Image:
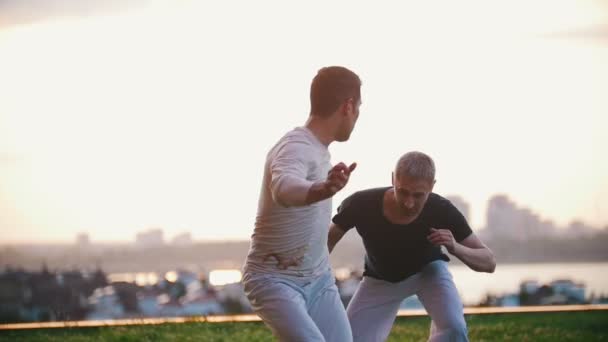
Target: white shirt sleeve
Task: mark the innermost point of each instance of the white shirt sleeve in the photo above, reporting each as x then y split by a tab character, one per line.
289	172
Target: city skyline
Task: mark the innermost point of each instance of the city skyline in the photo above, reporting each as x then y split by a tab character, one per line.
118	118
508	220
505	219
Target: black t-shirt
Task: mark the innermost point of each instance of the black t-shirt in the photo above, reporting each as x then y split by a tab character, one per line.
397	251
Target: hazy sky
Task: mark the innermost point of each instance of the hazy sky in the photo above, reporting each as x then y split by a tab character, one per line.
118	117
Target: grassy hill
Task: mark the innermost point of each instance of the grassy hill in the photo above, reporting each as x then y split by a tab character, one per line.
546	326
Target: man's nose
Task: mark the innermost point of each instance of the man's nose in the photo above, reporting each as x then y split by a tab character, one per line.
409	203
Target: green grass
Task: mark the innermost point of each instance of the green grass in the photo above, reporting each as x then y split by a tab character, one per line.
558	326
555	326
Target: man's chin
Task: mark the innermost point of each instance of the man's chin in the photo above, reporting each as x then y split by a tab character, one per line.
343	138
410	214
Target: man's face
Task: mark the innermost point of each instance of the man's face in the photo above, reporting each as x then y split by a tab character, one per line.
350	119
411	194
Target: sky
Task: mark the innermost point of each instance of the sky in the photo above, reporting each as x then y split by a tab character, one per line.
121	116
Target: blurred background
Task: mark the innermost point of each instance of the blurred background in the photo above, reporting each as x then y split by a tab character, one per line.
133	136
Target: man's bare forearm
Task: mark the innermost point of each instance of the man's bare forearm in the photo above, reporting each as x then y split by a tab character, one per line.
317	192
337	179
478	259
334	235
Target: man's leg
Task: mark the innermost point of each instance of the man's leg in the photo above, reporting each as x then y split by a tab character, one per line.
327	310
440	298
282	307
374	306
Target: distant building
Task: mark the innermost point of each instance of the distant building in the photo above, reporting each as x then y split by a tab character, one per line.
182	239
82	239
579	229
506	220
150	238
547	228
501	217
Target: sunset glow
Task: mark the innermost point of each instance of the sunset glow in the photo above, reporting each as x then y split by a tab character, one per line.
160	114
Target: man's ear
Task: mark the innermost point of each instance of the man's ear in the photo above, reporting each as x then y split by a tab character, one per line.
393	178
348	106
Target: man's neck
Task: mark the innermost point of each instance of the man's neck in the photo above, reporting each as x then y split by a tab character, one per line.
391	212
321	128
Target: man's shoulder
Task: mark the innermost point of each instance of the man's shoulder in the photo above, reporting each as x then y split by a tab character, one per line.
438	202
366	195
372	191
438	199
294	135
440	206
299	134
296	139
357	208
448	214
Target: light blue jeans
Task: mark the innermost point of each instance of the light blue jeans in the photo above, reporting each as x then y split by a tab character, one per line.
374	306
299	309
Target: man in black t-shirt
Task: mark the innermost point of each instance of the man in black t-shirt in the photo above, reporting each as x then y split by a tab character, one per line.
403	228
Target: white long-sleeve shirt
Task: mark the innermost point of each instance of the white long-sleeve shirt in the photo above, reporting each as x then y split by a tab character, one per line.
290	237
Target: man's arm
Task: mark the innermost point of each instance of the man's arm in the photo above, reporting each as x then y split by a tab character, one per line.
337	178
470	251
289	186
335	234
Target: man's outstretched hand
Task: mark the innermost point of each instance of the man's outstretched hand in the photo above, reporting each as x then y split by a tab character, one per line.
338	177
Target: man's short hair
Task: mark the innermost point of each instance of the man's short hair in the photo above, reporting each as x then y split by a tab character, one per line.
331	87
416	165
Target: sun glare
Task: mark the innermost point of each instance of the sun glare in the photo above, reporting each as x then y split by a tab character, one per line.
224	277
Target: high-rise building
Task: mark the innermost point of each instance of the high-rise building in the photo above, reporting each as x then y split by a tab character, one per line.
506	220
502	217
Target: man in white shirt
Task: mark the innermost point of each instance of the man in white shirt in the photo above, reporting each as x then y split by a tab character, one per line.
287	275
